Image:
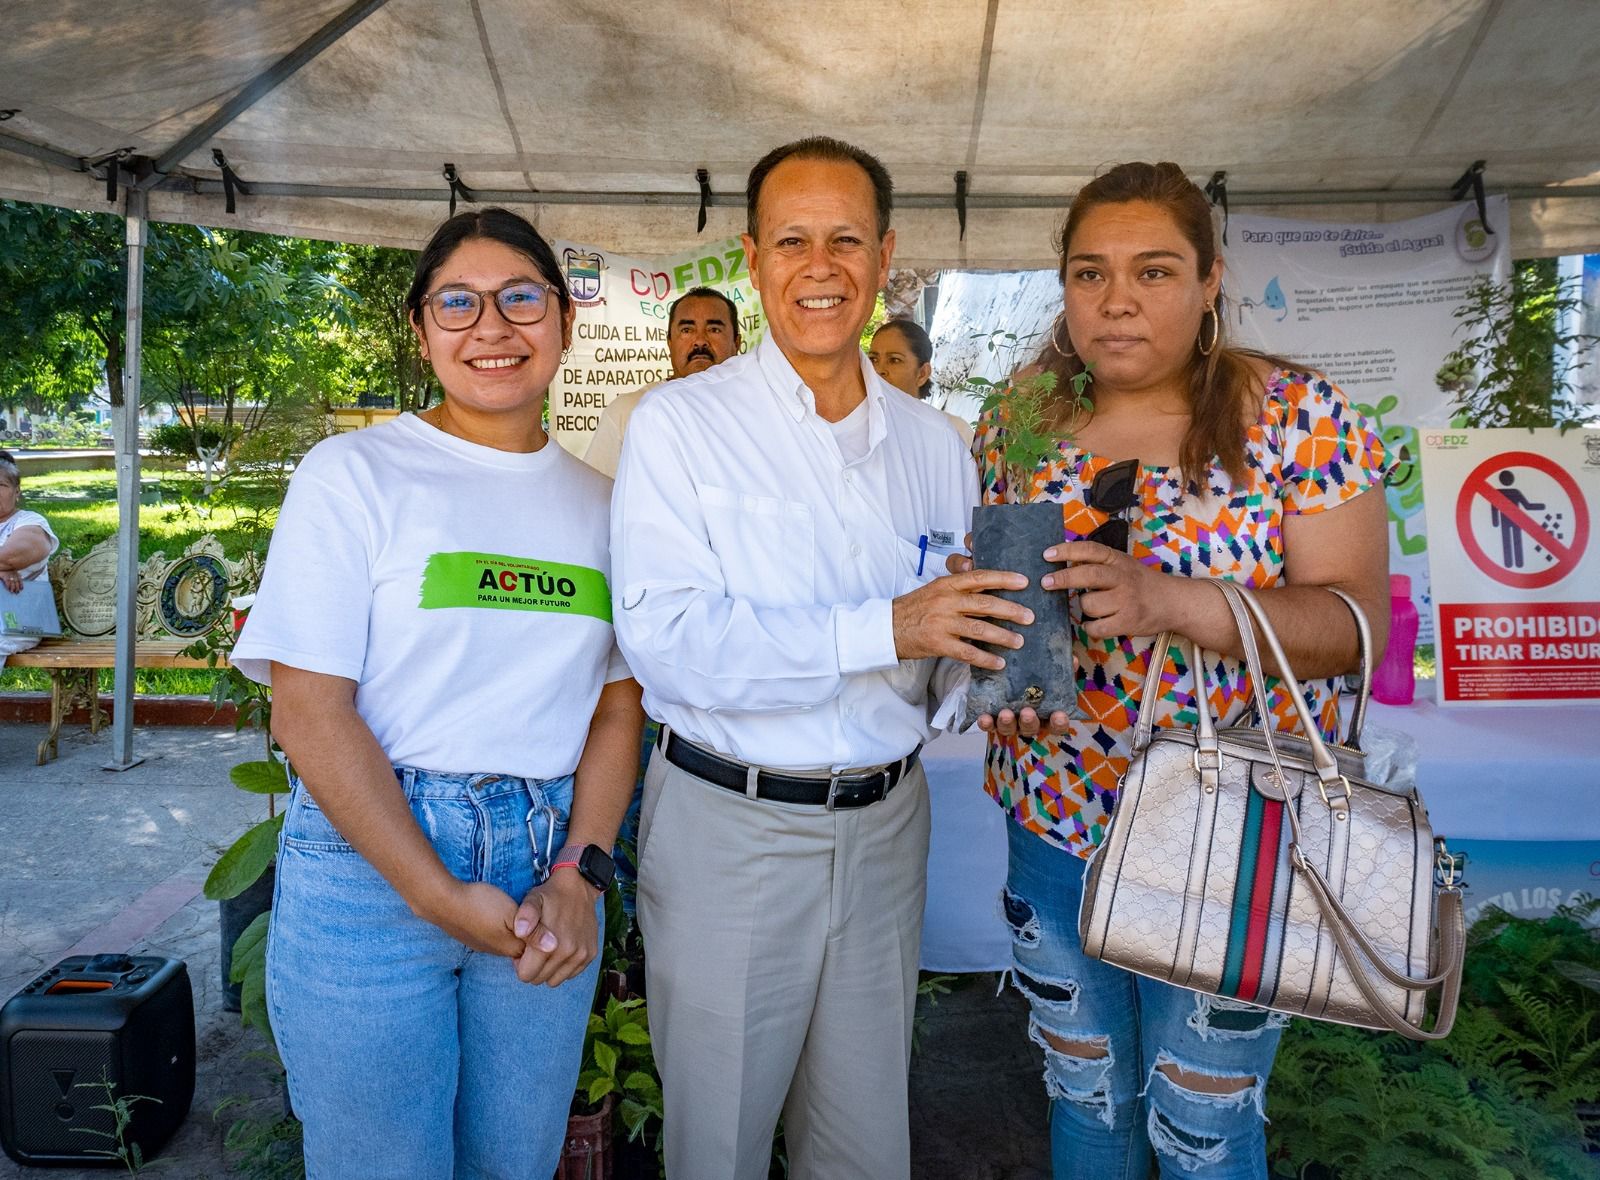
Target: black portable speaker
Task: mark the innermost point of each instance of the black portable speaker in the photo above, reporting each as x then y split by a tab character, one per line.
129	1020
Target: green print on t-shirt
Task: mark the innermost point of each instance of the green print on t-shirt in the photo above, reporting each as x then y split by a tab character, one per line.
497	582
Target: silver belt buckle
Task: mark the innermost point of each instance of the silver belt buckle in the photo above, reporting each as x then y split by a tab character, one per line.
883	773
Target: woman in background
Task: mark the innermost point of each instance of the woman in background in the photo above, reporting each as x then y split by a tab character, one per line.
26	544
902	354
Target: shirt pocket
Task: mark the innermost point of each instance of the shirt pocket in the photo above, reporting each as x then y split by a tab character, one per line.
767	546
917	567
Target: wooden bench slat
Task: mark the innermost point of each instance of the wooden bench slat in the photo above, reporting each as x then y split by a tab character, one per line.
102	653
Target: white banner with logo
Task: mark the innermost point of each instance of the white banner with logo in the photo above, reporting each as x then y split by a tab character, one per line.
619	338
1372	305
1516	565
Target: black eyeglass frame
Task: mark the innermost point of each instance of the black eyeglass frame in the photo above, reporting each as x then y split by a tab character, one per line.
549	289
1115	489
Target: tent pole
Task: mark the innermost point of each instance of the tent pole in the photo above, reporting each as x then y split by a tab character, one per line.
125	431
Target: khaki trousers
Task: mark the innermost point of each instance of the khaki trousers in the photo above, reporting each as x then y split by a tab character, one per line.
781	966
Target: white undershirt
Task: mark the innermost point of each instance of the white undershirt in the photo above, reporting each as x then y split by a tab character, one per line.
852	433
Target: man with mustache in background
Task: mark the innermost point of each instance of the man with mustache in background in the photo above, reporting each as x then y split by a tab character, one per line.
702	330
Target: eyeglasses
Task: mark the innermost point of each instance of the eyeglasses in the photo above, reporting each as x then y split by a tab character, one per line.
458	308
1114	489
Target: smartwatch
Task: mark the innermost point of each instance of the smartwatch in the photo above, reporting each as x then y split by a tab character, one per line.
594	865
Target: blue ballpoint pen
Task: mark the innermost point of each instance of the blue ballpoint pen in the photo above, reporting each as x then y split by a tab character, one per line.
922	552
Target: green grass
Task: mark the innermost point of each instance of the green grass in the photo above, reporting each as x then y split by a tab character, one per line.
195	682
81	507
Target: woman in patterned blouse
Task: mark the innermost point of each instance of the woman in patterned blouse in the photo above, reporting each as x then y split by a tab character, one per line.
1243	467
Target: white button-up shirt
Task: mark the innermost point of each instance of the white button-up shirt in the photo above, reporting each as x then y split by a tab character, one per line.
753	569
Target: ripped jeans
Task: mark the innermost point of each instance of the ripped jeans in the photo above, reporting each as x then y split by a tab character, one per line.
1108	1111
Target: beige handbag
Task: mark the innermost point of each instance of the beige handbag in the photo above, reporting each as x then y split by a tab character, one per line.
1260	865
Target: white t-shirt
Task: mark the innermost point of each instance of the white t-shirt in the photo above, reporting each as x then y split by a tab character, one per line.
605	446
853	433
19	519
464	589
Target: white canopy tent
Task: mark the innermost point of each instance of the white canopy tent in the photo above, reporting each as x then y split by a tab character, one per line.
340	119
340	116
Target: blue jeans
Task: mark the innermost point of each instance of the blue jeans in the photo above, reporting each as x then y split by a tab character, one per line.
1108	1111
409	1054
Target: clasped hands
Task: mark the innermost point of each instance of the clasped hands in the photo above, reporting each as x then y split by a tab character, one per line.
948	616
552	936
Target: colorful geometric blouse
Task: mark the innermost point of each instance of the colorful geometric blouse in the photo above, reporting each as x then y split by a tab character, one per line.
1310	451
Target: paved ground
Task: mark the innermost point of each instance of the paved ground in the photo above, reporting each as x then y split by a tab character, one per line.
97	861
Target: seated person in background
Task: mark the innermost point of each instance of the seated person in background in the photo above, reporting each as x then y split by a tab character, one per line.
902	354
26	543
702	330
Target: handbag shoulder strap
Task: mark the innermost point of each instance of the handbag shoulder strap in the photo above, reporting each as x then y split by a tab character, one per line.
1359	954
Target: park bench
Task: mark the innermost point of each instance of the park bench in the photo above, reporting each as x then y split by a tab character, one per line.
179	600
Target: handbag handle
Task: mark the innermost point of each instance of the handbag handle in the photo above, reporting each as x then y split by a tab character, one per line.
1145	723
1358	711
1238	596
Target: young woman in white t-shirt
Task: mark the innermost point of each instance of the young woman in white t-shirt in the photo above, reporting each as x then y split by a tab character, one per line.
435	620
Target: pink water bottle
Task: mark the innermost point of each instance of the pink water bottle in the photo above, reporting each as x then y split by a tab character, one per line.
1394	682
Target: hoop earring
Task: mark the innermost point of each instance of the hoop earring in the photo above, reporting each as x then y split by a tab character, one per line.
1216	331
1055	336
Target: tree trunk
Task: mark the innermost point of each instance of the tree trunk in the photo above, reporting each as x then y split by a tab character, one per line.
114	369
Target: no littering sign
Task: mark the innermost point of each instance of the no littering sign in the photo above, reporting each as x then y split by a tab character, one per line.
1517	596
1523	520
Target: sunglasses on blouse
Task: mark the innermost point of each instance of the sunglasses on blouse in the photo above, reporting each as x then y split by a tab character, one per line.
1115	489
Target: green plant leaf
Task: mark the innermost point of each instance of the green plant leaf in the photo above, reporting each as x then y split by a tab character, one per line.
260	778
237	869
605	1056
250	948
599	1088
253	999
633	1034
645	1088
634	1116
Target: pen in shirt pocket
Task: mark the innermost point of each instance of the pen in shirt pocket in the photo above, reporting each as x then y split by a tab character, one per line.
922	552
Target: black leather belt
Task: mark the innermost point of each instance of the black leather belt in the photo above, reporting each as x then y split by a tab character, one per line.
838	791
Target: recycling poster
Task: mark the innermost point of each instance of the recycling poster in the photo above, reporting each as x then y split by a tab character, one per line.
619	336
1372	305
1516	575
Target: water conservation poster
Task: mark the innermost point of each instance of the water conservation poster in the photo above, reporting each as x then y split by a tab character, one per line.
1373	306
619	337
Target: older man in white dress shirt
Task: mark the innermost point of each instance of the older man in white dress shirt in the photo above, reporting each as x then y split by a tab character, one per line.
779	528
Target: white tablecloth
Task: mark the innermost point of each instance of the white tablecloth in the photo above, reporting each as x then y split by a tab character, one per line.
1491	773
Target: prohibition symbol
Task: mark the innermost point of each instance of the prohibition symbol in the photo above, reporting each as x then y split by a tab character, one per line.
1535	543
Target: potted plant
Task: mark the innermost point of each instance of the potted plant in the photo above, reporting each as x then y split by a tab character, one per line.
617	1078
242	880
1028	408
1519	358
